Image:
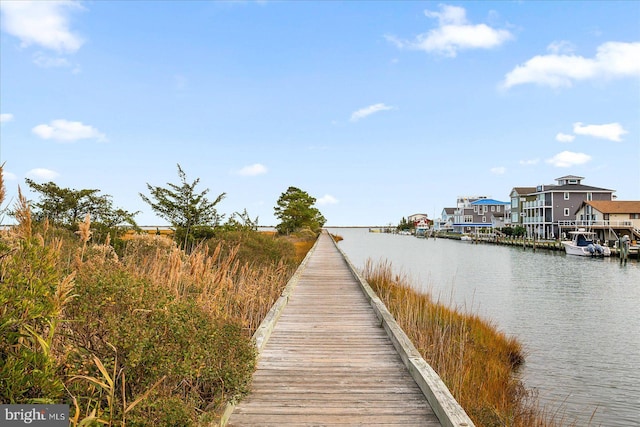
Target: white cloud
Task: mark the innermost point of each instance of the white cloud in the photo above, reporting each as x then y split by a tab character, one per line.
567	159
6	118
529	162
561	46
9	176
42	23
500	170
253	170
64	130
45	61
612	60
327	199
454	33
41	174
367	111
563	137
610	131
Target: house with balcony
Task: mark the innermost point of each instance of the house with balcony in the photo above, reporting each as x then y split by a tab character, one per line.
610	219
445	222
550	210
518	196
475	213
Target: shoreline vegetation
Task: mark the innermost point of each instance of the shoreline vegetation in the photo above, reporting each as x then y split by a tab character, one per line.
478	363
148	335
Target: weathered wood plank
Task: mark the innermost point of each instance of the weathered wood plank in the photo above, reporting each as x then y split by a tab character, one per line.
328	361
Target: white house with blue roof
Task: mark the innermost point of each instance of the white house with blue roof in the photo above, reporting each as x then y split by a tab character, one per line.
474	213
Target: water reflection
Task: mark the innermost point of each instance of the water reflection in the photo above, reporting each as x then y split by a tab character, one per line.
578	318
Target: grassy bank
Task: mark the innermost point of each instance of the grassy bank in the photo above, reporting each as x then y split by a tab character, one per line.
476	361
149	336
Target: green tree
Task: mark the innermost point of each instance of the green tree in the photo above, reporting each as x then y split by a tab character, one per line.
295	211
193	216
63	207
519	231
241	222
405	225
66	207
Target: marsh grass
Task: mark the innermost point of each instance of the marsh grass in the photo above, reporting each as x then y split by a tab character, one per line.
154	336
476	361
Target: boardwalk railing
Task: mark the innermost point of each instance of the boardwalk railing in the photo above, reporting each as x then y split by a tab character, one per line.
446	408
331	353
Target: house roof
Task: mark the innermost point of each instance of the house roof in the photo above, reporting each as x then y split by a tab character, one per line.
524	190
489	202
572	187
614	206
570	177
449	211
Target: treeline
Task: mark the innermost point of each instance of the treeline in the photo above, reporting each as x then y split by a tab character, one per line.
192	215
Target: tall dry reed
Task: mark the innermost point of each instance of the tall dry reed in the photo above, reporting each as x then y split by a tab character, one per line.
3	193
477	362
227	288
22	213
155	336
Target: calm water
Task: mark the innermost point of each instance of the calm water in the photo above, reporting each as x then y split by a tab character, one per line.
578	318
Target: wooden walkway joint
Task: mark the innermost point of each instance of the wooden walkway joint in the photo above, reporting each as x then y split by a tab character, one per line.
331	354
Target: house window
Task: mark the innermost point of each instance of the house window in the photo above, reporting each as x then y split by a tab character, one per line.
498	208
468	218
566	211
566	195
634	216
589	196
475	209
493	208
485	208
484	219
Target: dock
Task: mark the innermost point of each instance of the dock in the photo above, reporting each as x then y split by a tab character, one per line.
331	354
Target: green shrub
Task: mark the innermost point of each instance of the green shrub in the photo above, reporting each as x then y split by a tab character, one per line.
155	335
30	301
256	248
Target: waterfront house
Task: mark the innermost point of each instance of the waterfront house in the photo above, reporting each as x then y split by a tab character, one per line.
416	218
475	213
550	209
610	218
423	226
520	195
445	222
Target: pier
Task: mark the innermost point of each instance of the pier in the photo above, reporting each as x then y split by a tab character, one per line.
330	353
535	244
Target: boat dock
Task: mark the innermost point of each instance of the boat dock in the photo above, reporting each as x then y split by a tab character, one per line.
534	244
331	354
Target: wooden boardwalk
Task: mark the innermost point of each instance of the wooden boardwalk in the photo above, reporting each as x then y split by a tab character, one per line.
328	361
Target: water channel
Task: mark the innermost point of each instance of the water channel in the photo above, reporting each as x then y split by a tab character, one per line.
578	318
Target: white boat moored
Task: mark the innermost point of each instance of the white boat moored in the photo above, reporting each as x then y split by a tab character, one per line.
582	244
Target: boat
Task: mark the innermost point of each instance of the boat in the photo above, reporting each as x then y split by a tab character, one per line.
583	243
466	238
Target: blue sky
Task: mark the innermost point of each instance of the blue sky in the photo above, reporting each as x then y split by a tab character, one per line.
378	109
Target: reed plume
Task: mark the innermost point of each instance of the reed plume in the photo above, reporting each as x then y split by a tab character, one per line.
84	231
23	216
2	190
